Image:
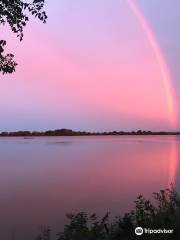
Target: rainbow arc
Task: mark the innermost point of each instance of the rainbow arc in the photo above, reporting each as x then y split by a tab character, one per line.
166	76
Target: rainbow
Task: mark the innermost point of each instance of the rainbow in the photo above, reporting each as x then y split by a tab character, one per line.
166	77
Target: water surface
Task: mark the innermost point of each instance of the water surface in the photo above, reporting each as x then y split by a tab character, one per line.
43	178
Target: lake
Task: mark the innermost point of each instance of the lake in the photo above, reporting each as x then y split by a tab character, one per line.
43	178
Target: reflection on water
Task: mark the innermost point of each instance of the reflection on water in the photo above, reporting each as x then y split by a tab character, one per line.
173	159
41	179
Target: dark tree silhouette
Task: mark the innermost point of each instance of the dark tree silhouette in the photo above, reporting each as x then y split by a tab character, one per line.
16	13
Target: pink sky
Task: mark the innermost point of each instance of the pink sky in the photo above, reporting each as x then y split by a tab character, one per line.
87	68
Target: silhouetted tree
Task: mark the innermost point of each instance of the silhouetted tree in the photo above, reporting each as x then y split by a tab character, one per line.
15	14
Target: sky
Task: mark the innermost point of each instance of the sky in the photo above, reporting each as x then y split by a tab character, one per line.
92	67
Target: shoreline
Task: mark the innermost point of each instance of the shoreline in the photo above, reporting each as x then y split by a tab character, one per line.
30	135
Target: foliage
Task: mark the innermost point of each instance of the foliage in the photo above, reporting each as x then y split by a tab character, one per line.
44	234
15	14
164	212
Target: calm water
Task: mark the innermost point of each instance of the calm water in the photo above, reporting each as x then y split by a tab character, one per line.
41	179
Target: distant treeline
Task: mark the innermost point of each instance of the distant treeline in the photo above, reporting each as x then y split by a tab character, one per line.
69	132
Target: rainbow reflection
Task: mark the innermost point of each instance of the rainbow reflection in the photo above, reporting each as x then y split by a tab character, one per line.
173	160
